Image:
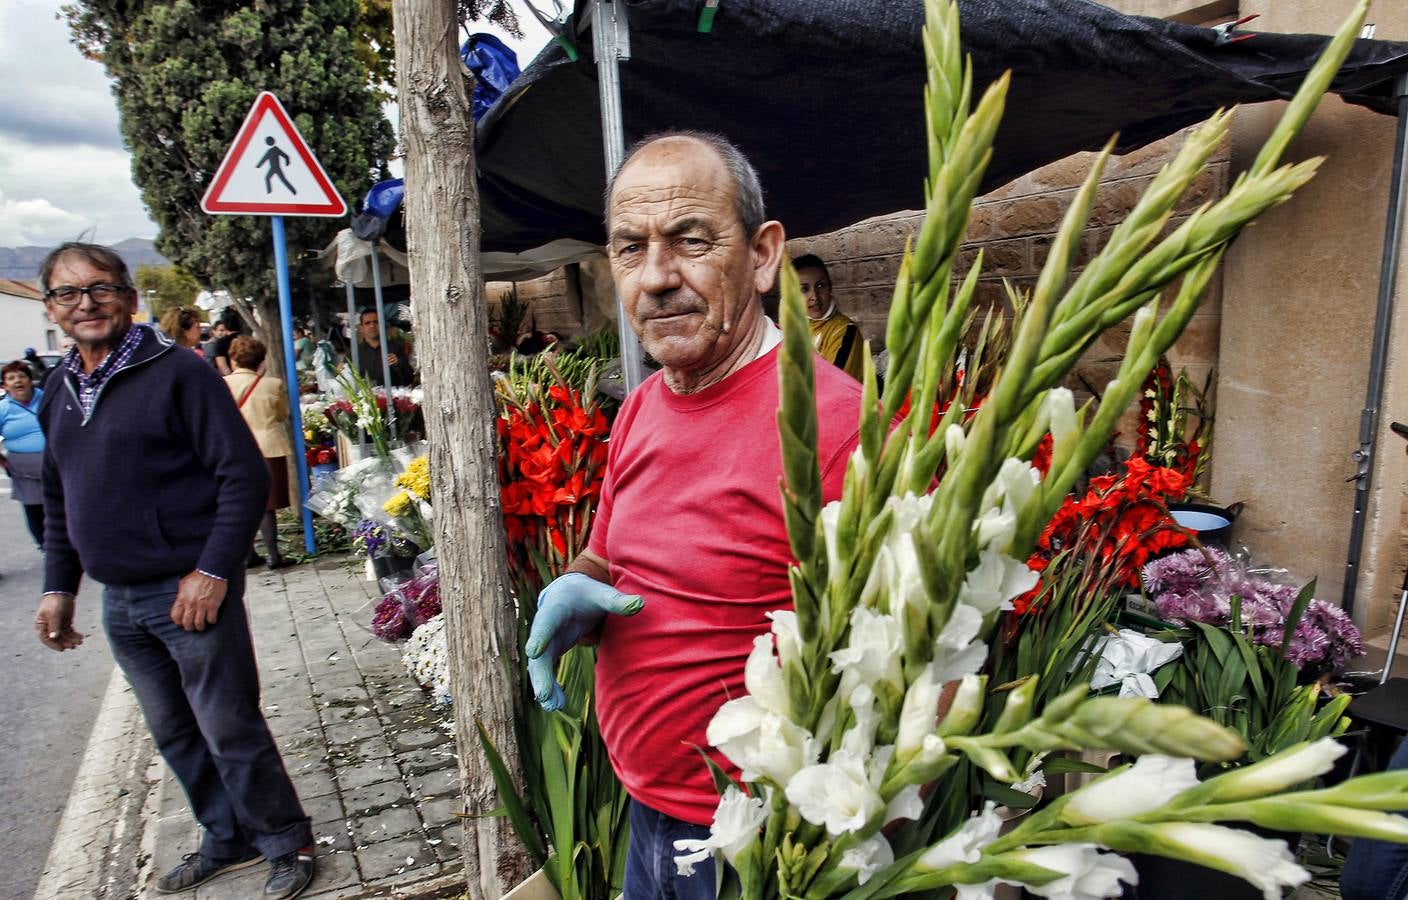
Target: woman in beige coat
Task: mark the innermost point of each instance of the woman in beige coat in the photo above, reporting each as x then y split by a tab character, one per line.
264	405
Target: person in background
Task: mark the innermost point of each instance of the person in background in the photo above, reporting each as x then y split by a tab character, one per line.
220	356
836	337
23	441
263	402
36	365
302	349
369	353
182	325
153	487
217	331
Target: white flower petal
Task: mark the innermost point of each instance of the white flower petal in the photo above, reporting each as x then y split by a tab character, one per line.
1267	864
965	843
868	857
836	794
1150	783
763	677
1089	873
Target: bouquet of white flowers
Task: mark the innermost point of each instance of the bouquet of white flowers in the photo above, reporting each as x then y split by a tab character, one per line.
898	585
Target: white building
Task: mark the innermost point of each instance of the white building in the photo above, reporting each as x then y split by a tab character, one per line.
23	321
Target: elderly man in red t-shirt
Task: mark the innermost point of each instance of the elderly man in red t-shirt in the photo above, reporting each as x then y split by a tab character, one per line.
689	552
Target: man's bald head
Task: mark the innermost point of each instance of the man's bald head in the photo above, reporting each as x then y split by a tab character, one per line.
747	190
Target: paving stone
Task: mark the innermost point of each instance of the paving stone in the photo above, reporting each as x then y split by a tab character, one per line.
396	857
367	800
445	842
332	836
241	885
315	781
336	678
441	812
396	822
352	731
417	739
439	783
335	873
417	762
176	836
323	808
372	748
367	773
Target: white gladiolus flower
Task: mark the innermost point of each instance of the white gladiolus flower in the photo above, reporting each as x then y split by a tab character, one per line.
965	845
760	742
907	804
830	519
954	439
737	819
994	528
788	634
1281	772
1150	783
957	653
837	794
919	713
859	739
763	677
1088	873
873	649
868	857
1266	864
1060	413
1013	487
994	581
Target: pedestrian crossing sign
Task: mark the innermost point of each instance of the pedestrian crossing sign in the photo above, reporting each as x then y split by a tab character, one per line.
269	170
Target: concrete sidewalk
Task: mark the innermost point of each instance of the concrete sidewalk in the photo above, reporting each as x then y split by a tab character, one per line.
369	754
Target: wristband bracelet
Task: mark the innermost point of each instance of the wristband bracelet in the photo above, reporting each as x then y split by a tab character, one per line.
212	575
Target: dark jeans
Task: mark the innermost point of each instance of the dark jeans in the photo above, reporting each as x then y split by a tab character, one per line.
651	873
1377	870
199	691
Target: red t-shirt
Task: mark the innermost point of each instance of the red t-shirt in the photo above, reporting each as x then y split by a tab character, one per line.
691	519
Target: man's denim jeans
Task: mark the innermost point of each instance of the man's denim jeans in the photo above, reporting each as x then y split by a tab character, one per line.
1377	870
651	873
199	691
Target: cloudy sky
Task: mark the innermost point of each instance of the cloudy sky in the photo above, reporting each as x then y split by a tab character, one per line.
63	169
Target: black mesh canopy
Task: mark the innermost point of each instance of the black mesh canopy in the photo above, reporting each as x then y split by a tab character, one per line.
826	98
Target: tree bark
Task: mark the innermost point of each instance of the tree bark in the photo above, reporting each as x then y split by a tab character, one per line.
442	235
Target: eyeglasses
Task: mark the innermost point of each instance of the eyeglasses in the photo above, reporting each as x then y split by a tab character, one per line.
70	296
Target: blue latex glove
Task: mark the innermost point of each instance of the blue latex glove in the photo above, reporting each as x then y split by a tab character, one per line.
569	608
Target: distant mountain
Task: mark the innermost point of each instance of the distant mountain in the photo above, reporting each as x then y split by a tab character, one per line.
22	263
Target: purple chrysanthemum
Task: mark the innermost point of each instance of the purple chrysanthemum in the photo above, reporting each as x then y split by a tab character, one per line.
389	621
1187	570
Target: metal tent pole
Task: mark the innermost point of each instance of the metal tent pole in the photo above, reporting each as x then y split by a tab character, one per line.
1383	320
352	341
381	328
611	42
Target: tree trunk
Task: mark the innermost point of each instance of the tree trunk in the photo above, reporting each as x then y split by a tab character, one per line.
442	234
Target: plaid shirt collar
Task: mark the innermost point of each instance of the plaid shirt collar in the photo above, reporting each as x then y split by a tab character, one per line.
89	385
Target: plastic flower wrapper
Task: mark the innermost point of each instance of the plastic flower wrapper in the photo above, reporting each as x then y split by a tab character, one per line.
898	585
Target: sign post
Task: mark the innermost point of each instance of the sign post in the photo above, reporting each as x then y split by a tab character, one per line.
269	171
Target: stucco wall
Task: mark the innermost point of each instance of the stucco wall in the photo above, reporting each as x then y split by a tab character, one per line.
1300	290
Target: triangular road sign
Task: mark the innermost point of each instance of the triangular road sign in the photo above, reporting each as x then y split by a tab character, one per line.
269	170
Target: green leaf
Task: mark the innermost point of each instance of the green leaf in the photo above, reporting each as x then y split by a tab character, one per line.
512	801
1298	608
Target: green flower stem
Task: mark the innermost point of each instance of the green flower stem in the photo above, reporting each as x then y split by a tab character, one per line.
1286	814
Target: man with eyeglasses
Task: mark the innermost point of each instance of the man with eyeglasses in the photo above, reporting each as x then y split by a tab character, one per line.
167	537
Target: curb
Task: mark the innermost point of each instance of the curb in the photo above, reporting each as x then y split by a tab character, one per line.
95	848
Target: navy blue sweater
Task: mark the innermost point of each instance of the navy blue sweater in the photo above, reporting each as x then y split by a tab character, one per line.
163	478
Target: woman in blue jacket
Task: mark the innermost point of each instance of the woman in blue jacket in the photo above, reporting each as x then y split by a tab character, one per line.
24	443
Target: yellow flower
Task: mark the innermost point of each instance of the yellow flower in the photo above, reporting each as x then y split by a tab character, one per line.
416	478
399	504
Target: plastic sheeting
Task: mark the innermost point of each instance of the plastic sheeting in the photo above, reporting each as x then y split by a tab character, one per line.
825	96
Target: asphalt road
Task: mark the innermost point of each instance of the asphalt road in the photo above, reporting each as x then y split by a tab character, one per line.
48	702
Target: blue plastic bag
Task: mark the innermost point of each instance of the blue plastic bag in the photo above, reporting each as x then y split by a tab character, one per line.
495	67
